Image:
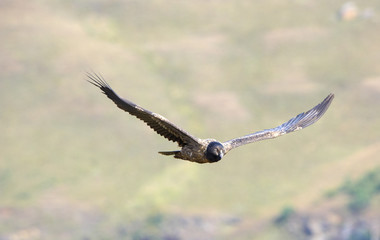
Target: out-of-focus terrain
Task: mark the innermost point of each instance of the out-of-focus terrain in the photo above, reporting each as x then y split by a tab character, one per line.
73	166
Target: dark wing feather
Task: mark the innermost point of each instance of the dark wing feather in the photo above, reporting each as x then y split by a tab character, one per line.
299	122
157	122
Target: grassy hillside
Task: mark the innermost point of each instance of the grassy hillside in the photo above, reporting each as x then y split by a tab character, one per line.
74	166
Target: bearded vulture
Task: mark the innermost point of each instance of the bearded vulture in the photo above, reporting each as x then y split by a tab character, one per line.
205	150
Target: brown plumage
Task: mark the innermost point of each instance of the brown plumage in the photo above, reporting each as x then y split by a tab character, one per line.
206	150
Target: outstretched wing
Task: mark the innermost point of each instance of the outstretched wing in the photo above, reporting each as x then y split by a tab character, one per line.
299	122
155	121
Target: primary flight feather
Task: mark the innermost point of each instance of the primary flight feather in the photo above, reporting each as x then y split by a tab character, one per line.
206	150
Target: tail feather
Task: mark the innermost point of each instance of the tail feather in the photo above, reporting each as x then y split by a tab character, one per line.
177	154
170	153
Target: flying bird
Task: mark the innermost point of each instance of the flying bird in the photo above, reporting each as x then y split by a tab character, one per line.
205	150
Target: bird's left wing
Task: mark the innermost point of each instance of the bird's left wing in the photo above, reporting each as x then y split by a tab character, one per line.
155	121
299	122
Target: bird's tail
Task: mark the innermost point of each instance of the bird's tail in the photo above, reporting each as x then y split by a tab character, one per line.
170	153
177	154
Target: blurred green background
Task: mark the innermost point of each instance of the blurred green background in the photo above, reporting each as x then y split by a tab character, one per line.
73	166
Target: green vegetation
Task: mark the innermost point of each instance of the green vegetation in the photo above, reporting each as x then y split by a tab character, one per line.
362	190
284	215
365	235
73	166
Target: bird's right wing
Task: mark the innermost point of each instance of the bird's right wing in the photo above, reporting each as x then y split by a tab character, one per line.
299	122
155	121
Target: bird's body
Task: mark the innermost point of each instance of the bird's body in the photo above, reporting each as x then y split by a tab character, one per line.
192	152
206	150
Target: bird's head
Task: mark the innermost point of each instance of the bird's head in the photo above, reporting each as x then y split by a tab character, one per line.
214	151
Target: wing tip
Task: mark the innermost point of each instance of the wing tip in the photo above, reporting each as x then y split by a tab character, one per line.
330	97
308	118
97	80
325	104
